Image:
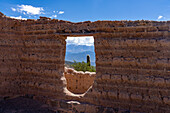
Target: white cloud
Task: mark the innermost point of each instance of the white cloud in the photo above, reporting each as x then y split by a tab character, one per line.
28	9
13	9
53	16
88	40
60	12
53	11
160	17
19	17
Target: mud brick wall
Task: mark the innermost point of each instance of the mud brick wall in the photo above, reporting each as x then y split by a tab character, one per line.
78	82
10	51
133	68
132	61
42	61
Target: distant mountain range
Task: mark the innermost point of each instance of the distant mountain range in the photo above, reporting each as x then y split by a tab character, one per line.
79	48
79	53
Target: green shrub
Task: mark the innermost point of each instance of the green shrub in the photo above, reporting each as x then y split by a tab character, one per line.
82	66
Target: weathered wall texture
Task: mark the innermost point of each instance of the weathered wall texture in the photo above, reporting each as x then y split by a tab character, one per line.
78	82
132	61
42	61
133	68
30	63
10	51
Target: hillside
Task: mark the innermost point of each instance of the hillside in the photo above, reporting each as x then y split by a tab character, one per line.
79	57
79	53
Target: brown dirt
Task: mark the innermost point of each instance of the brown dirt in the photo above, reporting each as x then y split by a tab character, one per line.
23	105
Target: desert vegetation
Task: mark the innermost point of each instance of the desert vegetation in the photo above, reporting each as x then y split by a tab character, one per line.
82	66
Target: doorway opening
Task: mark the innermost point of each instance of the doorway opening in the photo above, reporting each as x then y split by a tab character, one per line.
80	66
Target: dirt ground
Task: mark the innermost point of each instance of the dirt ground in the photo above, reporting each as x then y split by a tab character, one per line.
23	105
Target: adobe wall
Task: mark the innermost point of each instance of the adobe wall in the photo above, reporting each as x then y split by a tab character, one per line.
10	52
42	61
133	68
132	61
78	82
30	63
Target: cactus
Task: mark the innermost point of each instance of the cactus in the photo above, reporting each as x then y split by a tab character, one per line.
88	60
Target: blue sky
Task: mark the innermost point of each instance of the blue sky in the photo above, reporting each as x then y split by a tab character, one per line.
83	10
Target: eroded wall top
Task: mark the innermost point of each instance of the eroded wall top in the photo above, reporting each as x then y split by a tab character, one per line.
56	26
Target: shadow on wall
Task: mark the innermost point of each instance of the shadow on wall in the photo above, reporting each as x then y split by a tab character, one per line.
78	82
